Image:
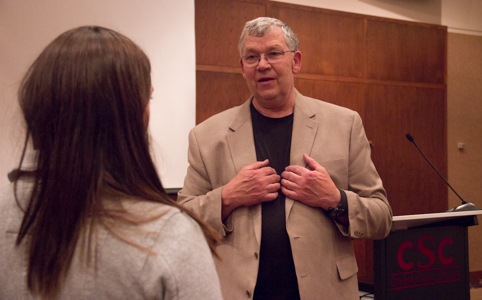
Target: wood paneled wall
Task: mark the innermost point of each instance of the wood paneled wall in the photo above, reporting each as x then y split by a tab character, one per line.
392	72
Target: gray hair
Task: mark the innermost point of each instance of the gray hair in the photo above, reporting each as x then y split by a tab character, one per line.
259	26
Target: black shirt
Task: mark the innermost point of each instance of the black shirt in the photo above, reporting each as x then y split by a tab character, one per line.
276	274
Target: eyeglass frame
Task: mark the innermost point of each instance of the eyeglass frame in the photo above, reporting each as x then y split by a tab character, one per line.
266	58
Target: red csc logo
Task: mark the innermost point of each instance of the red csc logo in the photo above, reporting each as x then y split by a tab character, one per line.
422	249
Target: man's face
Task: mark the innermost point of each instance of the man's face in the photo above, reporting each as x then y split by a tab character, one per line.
272	84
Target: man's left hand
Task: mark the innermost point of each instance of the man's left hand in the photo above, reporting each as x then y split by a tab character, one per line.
312	187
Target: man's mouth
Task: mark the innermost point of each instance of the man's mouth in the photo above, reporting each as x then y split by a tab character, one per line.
265	79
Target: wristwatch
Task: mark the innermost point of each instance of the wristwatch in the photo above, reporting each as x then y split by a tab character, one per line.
341	209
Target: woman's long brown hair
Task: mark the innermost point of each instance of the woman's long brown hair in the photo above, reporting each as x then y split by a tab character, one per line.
83	100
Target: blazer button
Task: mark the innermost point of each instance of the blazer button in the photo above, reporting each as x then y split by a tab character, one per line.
248	293
256	255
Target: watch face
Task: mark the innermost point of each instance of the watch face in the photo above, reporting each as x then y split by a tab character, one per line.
336	212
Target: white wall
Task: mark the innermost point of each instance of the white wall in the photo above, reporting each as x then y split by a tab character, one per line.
462	16
163	28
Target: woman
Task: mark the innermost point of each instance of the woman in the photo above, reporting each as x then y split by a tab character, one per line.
90	218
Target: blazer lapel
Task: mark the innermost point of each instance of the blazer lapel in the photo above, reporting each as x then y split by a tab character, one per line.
243	153
305	128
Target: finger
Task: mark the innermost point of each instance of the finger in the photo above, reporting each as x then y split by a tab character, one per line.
258	165
289	193
310	162
268	171
290	175
288	184
273	187
298	170
273	177
270	197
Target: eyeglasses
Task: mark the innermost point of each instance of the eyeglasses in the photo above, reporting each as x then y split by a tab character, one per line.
271	57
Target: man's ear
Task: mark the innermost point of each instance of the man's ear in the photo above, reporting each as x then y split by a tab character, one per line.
297	62
242	68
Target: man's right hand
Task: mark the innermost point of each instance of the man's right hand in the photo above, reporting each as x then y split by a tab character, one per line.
255	183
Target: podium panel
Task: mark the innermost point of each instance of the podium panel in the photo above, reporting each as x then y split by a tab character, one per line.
424	257
423	263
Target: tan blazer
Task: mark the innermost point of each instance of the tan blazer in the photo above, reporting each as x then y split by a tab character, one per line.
322	249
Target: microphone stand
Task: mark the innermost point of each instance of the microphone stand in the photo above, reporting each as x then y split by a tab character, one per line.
465	206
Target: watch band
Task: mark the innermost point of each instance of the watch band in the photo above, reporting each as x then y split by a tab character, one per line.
341	209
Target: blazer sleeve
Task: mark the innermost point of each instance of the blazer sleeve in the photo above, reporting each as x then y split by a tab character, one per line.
198	194
370	215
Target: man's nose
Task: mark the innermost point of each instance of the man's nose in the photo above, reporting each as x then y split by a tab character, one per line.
263	62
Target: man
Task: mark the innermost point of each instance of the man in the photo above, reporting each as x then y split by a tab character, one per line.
287	180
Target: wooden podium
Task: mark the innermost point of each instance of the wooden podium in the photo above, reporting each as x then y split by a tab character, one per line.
424	257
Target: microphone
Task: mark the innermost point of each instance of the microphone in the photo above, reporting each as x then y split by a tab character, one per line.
466	206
